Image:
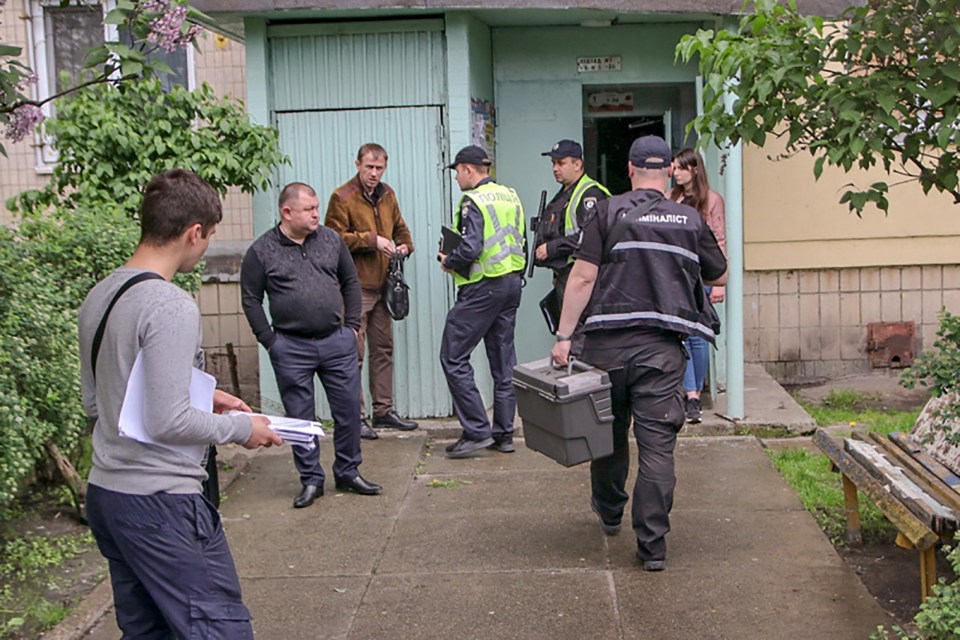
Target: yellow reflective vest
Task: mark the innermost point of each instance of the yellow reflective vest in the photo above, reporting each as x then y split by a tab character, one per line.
570	224
503	232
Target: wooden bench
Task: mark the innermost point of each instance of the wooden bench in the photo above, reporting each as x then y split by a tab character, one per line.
905	476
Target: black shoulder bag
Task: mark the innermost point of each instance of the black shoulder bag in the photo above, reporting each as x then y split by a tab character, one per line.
211	486
396	292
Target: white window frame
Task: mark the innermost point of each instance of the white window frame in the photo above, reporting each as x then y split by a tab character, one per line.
46	155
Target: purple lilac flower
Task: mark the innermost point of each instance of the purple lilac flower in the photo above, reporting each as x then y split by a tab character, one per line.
23	121
150	6
166	30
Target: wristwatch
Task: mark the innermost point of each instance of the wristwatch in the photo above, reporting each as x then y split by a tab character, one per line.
563	338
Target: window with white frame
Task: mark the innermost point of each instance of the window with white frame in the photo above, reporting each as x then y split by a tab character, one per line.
62	36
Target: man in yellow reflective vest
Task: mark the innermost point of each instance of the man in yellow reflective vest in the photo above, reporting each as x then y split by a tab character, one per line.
486	266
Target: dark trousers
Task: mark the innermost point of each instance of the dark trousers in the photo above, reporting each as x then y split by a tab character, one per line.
170	566
334	360
376	329
485	310
647	389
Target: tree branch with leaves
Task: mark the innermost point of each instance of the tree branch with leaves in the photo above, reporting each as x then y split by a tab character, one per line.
153	25
878	87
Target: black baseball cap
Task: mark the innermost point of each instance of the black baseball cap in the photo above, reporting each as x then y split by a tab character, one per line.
565	149
650	152
471	155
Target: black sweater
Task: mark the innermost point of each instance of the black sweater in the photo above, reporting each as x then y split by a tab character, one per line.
308	285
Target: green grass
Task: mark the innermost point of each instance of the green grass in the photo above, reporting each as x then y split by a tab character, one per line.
850	407
453	483
821	492
820	489
26	565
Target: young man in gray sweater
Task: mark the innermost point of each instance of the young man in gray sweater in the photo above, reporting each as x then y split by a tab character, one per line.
170	566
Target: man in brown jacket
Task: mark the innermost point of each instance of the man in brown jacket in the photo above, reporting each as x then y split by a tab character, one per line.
365	213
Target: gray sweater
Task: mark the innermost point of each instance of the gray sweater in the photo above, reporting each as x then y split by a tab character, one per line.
164	321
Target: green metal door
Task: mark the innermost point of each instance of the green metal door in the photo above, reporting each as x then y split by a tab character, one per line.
322	146
334	87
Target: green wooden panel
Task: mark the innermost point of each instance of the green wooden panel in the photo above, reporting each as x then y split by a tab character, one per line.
322	146
314	67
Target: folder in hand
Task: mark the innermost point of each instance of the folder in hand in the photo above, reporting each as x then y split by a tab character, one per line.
550	308
450	240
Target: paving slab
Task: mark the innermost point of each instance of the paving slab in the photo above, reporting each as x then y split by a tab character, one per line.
517	553
289	603
443	494
710	601
766	405
544	605
494	541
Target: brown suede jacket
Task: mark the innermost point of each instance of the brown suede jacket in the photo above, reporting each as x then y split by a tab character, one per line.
359	219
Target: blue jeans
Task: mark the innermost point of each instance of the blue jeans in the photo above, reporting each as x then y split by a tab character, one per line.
699	362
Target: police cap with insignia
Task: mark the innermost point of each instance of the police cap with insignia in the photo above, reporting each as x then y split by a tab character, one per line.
565	149
471	155
650	152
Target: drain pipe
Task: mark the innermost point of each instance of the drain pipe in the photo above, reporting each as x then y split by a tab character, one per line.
733	189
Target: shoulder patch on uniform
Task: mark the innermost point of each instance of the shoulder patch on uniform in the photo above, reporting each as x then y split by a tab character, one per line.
589	203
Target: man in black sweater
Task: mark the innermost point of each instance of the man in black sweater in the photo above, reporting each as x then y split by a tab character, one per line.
309	275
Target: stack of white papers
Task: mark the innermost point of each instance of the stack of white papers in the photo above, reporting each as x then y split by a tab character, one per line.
131	424
293	431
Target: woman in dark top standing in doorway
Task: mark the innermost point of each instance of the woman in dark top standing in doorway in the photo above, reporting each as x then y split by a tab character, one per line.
691	188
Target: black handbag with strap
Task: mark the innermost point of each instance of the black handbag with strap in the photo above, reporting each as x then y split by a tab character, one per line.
396	292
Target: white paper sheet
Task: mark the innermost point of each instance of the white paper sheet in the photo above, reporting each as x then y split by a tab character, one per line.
202	386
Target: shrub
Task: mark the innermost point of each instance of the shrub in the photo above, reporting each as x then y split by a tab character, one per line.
78	229
939	615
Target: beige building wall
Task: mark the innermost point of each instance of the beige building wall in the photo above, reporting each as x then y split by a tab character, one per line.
220	63
817	275
792	221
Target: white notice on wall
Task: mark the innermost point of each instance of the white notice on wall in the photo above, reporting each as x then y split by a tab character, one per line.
598	63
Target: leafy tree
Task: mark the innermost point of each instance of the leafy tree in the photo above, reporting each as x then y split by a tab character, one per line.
152	24
77	230
112	139
880	86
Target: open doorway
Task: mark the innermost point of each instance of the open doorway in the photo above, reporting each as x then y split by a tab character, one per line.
615	115
611	147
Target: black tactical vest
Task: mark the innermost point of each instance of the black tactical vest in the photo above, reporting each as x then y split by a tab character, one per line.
651	277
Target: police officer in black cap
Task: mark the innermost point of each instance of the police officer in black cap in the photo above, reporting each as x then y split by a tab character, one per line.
566	214
644	260
486	267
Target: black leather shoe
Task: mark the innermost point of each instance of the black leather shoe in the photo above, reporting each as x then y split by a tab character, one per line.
358	485
392	420
308	494
503	446
463	447
366	431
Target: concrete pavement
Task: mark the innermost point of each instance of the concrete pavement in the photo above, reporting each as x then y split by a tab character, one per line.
506	546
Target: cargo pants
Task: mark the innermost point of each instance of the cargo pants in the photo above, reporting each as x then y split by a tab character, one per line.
647	389
171	569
